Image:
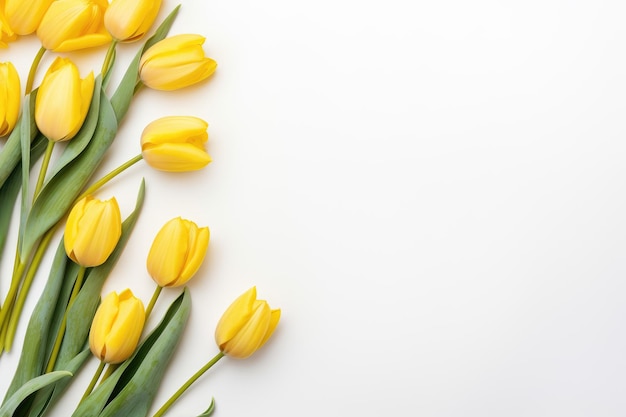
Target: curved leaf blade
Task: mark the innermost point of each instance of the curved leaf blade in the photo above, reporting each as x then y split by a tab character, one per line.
209	410
30	387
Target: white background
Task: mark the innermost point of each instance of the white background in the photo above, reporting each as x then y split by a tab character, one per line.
432	191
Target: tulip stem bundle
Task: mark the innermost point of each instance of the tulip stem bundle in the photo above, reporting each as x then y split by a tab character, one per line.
187	384
28	281
61	332
10	300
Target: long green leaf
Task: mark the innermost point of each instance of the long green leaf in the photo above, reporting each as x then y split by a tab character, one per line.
130	390
25	139
11	187
11	153
27	389
34	352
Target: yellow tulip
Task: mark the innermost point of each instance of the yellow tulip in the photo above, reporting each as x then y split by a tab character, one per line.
69	25
92	231
129	20
63	100
9	97
177	252
117	327
24	16
175	144
246	325
175	62
6	33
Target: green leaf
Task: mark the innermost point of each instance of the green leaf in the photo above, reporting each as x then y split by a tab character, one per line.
11	187
11	153
130	390
25	139
126	89
209	410
85	134
27	389
58	195
34	351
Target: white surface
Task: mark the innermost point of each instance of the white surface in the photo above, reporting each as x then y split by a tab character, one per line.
433	192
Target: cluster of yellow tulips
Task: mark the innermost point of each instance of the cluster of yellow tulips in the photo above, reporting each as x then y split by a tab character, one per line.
77	109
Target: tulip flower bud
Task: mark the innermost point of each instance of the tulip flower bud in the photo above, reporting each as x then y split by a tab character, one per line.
63	100
92	231
175	144
175	62
6	33
69	25
9	97
177	252
129	20
246	325
117	327
25	16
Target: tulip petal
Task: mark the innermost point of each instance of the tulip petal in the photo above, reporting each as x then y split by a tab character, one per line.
176	129
176	157
235	316
198	244
102	323
251	334
123	335
168	252
274	319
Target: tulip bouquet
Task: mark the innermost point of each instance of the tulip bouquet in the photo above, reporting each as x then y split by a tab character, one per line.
72	322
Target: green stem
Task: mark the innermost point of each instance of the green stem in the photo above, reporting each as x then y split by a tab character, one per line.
94	380
110	369
18	271
106	65
155	296
108	177
61	332
187	384
3	331
44	168
28	281
33	70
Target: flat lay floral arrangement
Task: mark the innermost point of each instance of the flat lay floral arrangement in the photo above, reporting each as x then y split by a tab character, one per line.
54	136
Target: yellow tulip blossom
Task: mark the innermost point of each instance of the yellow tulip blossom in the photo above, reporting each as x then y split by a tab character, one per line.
129	20
92	231
69	25
24	16
63	100
177	252
10	95
246	325
6	33
117	327
175	62
175	143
